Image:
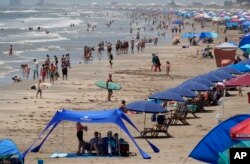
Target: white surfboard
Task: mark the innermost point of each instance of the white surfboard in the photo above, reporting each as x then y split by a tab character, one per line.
58	155
42	85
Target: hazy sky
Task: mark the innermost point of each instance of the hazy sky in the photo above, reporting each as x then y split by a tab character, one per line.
33	2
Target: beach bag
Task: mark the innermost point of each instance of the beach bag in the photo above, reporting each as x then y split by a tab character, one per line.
153	117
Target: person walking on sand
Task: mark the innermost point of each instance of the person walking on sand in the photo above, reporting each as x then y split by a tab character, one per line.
110	92
11	50
39	90
168	70
35	69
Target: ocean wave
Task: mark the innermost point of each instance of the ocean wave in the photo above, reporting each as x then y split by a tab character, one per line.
19	11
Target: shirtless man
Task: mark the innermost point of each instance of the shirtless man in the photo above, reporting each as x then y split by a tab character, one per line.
110	92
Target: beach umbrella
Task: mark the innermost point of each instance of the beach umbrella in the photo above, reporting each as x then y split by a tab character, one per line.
194	86
247	61
167	95
201	81
242	80
222	74
146	107
245	40
189	35
204	35
177	21
213	147
230	70
241	130
212	77
246	47
240	67
183	92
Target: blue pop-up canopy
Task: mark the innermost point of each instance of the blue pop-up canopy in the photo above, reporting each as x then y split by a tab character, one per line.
230	70
115	116
8	149
240	67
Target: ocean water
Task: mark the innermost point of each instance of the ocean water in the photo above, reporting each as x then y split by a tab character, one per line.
62	39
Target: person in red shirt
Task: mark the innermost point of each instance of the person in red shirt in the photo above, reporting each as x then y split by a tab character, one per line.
79	134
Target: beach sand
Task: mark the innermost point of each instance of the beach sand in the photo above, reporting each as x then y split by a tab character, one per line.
23	116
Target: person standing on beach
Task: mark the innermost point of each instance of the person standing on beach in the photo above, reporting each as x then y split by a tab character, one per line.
39	90
168	70
35	69
132	45
79	134
56	60
110	92
64	70
11	50
111	60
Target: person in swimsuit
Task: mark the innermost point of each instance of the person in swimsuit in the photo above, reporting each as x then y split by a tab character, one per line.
168	70
79	134
39	90
110	92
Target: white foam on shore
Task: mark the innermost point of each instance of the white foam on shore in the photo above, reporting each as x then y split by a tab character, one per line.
20	11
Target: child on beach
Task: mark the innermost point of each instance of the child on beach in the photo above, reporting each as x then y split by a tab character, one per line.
39	90
168	70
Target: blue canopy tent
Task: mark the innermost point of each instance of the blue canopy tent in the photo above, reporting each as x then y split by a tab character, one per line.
201	81
115	116
230	70
9	149
194	86
211	147
183	92
240	67
167	95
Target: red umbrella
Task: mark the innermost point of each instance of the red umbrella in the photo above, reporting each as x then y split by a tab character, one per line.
241	130
242	80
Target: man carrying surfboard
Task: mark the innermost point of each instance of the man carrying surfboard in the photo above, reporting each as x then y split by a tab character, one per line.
110	92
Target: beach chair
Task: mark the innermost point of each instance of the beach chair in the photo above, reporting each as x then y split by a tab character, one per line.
192	110
179	115
157	129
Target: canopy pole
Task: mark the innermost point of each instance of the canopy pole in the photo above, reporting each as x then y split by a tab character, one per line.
144	120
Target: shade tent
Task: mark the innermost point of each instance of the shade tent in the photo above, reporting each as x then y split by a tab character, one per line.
200	80
8	149
241	131
183	92
145	106
217	141
115	116
242	80
167	96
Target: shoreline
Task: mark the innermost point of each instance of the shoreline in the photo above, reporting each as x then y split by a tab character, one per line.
23	116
